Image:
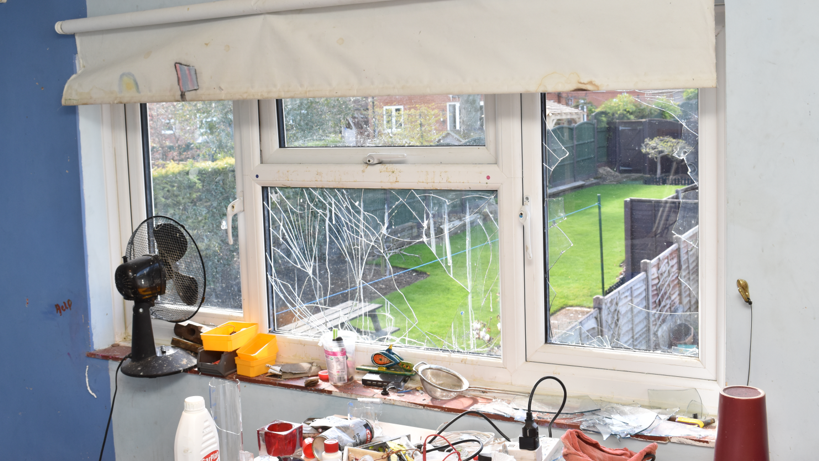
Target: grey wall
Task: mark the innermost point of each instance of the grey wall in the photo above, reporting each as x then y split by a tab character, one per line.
771	241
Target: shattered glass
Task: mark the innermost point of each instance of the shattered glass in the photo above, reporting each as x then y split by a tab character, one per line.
410	267
384	121
622	200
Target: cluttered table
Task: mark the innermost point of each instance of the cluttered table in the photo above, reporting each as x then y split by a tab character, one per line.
499	405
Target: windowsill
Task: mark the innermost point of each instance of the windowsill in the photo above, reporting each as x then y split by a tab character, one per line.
415	399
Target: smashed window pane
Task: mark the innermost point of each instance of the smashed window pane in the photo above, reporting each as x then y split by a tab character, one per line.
384	121
623	207
193	180
410	267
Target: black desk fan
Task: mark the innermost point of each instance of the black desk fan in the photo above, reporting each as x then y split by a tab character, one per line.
163	273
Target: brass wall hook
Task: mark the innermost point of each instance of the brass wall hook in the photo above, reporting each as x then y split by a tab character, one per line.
742	287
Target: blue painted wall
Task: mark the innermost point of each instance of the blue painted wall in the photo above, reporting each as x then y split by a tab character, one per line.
47	410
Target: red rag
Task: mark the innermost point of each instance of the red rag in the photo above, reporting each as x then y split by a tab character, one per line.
578	446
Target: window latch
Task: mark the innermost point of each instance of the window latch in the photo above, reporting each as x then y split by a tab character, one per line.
524	217
374	159
236	206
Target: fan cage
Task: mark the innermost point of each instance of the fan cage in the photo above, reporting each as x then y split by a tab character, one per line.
182	263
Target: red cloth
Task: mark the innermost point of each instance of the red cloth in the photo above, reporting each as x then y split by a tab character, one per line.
578	446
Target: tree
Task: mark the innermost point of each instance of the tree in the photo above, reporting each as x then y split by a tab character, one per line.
626	107
197	131
319	121
419	128
662	146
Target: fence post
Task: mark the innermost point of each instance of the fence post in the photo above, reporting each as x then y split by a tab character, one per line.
600	227
596	147
574	153
645	266
597	304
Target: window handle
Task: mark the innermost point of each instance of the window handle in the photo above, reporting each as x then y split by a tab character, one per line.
236	206
524	217
373	159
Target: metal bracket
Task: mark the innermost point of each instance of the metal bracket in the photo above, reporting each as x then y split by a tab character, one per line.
524	216
236	206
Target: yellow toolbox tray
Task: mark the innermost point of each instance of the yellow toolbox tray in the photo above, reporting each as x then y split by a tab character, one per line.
262	346
229	336
254	368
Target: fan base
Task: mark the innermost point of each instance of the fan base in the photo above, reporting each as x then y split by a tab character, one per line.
168	361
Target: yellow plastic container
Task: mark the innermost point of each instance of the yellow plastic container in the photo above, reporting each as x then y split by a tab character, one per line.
262	346
229	336
255	367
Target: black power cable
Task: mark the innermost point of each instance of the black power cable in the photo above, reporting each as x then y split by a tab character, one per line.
530	439
113	400
465	458
478	413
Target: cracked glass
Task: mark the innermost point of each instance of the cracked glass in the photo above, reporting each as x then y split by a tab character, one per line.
622	200
411	267
384	121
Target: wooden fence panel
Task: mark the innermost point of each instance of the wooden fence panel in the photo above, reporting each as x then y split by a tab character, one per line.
689	269
624	315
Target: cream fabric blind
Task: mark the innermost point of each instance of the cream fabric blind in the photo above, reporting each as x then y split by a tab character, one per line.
402	47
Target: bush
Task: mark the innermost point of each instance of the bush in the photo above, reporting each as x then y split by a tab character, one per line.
197	195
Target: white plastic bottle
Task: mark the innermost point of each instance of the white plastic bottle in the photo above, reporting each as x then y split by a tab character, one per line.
331	452
196	437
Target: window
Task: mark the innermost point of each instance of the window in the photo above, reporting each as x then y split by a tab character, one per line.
453	119
412	267
623	222
393	118
416	121
190	176
428	249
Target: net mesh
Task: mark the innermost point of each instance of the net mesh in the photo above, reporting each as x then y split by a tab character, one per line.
182	265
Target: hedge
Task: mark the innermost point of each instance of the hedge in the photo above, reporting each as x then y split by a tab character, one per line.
197	195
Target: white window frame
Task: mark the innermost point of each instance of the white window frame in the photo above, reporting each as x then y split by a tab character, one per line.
347	171
457	116
487	154
514	144
702	368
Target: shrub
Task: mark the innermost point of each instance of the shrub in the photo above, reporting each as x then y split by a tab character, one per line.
197	195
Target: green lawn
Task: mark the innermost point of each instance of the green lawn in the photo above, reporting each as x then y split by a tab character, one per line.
439	302
575	278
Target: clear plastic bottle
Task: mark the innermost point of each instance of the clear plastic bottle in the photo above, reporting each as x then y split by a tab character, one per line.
336	356
196	437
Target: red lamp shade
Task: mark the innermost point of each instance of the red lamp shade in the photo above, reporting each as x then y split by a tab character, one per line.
742	433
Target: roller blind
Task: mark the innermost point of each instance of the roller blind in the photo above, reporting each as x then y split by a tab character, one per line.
401	47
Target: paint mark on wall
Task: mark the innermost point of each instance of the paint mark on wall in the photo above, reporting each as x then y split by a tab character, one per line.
87	385
186	76
128	84
66	306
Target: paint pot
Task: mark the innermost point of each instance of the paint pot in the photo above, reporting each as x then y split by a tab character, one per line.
742	432
349	433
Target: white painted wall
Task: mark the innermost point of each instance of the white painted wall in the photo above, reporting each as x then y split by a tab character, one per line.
95	227
771	165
